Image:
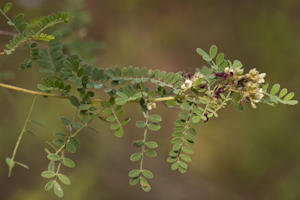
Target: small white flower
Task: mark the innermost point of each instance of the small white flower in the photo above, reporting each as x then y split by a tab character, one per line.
261	78
260	81
238	71
151	105
227	70
187	84
253	72
197	75
258	96
262	75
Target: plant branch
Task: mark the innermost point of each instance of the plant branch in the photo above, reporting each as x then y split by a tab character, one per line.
8	19
7	33
74	134
186	127
224	102
32	91
67	97
20	137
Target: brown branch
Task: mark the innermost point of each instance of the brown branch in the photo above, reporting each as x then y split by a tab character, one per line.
67	97
32	91
7	33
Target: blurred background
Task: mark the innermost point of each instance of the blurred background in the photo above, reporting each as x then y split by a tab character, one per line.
238	156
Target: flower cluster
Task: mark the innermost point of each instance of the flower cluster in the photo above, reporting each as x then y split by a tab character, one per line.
250	84
231	76
254	86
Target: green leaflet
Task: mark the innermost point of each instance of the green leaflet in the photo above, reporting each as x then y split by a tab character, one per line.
275	89
289	96
161	75
187	150
49	185
53	157
65	120
174	166
39	123
154	126
121	101
7	7
151	144
155	118
75	142
119	132
168	77
150	153
201	52
136	157
134	181
220	59
48	174
143	71
58	190
185	158
71	148
213	51
147	173
136	72
138	143
21	164
77	125
134	173
64	179
140	124
68	162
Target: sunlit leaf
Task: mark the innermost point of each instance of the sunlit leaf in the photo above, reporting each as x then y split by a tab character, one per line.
213	51
275	89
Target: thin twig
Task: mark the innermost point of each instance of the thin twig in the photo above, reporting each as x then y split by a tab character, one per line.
32	91
20	137
144	141
74	134
7	33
